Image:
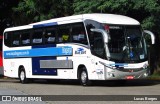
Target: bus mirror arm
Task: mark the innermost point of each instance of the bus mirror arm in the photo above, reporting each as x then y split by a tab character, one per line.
152	36
105	35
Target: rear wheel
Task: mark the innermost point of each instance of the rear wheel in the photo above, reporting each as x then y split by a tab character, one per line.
84	78
22	76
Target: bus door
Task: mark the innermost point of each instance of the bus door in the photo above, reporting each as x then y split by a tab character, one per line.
98	50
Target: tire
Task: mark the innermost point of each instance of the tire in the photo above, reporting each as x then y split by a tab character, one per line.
22	76
84	78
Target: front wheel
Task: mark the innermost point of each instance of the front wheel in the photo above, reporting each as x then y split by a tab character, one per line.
84	78
22	77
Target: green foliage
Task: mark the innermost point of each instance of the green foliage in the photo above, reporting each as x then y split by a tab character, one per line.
88	6
37	10
109	6
146	11
6	13
23	12
155	76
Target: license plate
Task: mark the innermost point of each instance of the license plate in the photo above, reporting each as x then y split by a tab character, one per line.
129	77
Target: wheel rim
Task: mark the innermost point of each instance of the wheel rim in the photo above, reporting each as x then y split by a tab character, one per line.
84	77
22	75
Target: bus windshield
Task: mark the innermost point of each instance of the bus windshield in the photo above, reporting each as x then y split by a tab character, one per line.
126	44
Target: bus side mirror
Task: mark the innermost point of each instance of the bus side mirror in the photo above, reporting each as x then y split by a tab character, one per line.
104	33
151	34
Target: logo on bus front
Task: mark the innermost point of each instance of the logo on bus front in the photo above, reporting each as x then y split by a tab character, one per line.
80	51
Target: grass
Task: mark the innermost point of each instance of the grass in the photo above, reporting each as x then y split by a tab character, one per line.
156	75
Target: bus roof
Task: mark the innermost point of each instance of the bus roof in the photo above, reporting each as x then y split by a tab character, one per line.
18	28
111	19
99	17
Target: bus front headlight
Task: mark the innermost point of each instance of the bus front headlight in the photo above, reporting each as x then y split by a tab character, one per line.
145	74
111	75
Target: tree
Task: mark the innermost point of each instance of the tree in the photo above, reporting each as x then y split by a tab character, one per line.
29	11
146	11
6	13
88	6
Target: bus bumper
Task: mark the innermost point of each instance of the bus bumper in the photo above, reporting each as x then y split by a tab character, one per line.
116	74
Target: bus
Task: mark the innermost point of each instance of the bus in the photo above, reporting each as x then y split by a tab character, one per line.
85	47
1	60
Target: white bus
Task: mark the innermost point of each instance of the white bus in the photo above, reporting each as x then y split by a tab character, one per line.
85	47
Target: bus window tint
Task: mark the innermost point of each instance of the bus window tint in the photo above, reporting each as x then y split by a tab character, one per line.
25	37
97	45
64	34
50	36
16	39
8	39
37	36
78	34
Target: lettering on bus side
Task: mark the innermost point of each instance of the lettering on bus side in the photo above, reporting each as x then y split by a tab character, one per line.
80	51
67	51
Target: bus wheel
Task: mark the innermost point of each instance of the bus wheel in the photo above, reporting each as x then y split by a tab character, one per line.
84	78
22	77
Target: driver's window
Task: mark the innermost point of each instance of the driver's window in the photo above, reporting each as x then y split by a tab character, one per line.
97	44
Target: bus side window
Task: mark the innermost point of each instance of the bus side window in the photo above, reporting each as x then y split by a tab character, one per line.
50	36
78	34
8	39
26	38
16	39
97	45
37	37
64	34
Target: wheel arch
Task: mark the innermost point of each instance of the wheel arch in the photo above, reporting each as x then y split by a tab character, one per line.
21	67
79	69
